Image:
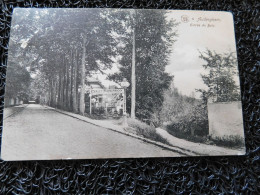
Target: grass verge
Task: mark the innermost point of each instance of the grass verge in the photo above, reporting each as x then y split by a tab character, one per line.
142	129
186	136
225	141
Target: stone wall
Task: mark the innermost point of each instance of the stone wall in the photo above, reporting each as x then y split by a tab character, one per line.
225	119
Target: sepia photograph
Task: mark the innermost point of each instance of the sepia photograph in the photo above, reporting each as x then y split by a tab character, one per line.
95	83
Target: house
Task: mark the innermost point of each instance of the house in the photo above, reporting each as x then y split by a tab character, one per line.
103	102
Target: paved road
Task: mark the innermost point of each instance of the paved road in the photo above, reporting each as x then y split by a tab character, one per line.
38	133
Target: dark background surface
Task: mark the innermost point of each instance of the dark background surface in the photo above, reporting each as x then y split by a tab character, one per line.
194	175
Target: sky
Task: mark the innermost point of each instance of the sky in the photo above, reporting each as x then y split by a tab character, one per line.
196	31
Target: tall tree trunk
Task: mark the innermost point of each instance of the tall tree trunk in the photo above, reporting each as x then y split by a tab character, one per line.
71	81
75	89
49	93
67	86
59	91
78	81
133	79
82	80
52	93
55	92
62	85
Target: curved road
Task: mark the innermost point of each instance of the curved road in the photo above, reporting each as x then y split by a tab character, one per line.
39	133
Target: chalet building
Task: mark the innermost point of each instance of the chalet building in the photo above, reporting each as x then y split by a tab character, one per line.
102	104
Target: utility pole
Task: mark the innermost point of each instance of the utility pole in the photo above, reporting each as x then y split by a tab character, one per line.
133	77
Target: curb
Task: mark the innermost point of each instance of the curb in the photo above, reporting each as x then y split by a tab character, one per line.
179	150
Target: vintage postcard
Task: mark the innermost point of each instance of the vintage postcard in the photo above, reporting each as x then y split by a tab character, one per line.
121	83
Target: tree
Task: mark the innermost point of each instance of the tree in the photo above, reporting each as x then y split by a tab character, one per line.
18	81
220	81
145	40
62	47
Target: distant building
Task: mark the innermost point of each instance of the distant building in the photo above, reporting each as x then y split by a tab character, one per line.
102	103
93	83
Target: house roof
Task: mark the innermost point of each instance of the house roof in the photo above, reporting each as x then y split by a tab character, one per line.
91	80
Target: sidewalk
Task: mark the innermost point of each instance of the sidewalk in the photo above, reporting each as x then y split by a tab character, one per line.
202	149
12	110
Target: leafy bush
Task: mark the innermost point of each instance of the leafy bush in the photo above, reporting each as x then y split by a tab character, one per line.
146	131
188	124
187	136
94	116
226	141
183	114
232	141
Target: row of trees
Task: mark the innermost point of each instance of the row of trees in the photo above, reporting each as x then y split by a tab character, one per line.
54	43
61	48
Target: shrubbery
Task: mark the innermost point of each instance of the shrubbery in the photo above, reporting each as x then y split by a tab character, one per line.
229	141
184	115
192	126
146	131
186	136
187	127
